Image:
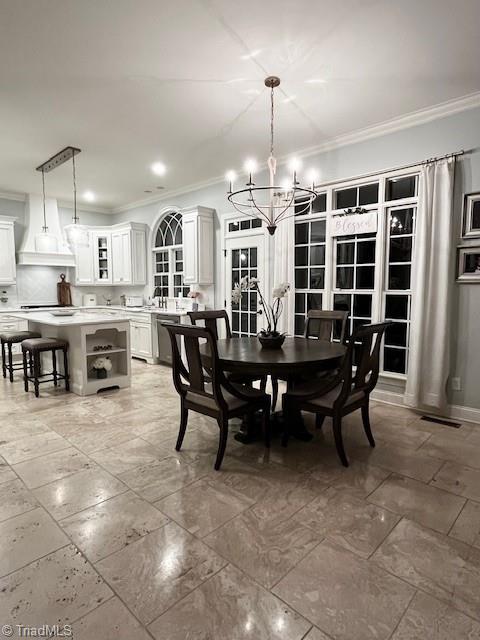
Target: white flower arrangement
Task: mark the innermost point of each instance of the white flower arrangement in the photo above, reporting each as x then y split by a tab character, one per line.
272	311
102	363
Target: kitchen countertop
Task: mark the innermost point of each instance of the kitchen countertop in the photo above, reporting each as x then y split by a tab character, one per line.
80	318
13	311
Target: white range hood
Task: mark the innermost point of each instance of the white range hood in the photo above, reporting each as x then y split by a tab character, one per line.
40	248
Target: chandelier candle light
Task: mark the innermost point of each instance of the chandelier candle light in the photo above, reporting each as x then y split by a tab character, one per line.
271	203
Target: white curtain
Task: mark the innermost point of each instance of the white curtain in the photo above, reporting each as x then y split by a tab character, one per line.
431	284
283	268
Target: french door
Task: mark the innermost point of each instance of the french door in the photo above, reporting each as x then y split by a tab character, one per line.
244	256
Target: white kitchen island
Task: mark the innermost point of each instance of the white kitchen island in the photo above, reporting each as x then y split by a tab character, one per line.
85	332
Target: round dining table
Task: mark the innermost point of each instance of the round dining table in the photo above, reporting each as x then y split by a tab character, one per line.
299	358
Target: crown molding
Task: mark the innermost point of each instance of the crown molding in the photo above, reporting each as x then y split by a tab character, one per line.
415	118
11	195
67	204
421	116
167	195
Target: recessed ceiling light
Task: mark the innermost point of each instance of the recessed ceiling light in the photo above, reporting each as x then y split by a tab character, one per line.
147	191
158	168
89	196
315	81
160	187
252	54
289	99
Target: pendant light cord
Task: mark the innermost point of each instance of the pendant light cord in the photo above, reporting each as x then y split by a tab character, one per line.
75	217
271	120
44	228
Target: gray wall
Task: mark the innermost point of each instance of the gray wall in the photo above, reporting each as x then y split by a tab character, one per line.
410	145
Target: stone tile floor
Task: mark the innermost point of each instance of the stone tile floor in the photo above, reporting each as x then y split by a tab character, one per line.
104	527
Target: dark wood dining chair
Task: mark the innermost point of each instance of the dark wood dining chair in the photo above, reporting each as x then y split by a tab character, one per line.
320	325
211	320
215	395
326	325
345	391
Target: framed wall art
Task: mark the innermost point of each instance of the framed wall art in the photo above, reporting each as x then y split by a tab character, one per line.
471	216
468	261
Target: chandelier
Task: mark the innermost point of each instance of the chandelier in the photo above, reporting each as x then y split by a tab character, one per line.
271	203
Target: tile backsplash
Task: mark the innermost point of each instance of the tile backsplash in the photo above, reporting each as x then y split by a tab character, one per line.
38	285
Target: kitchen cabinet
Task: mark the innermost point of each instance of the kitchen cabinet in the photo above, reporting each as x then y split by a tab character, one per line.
102	257
142	338
8	272
129	249
121	257
115	255
81	243
198	249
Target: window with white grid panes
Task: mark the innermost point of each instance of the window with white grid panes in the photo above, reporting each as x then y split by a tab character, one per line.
318	205
244	225
168	256
354	278
397	297
162	269
356	196
310	241
178	287
244	313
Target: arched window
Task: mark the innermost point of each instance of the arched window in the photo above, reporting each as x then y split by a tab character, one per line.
168	256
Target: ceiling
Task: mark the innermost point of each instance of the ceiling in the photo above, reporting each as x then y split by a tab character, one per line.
131	82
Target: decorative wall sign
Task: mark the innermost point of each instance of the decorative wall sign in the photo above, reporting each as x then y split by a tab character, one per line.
468	264
355	224
471	216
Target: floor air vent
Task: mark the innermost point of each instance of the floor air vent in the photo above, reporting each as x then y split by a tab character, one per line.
448	423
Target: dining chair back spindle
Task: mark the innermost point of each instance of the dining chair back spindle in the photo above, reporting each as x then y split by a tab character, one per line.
345	391
210	394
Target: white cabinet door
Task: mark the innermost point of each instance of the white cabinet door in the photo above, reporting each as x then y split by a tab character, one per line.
83	249
139	261
7	254
198	241
190	248
141	339
122	257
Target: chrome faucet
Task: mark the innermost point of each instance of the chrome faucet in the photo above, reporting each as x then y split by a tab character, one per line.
158	293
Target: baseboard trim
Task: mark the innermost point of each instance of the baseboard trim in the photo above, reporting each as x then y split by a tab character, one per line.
457	412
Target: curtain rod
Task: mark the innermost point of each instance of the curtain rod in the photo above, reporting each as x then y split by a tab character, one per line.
454	154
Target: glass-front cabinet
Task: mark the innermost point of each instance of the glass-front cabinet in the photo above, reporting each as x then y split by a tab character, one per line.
102	254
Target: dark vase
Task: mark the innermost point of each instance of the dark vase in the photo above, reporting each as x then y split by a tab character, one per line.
271	340
101	373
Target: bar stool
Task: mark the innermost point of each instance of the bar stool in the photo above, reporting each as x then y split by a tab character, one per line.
32	348
8	339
